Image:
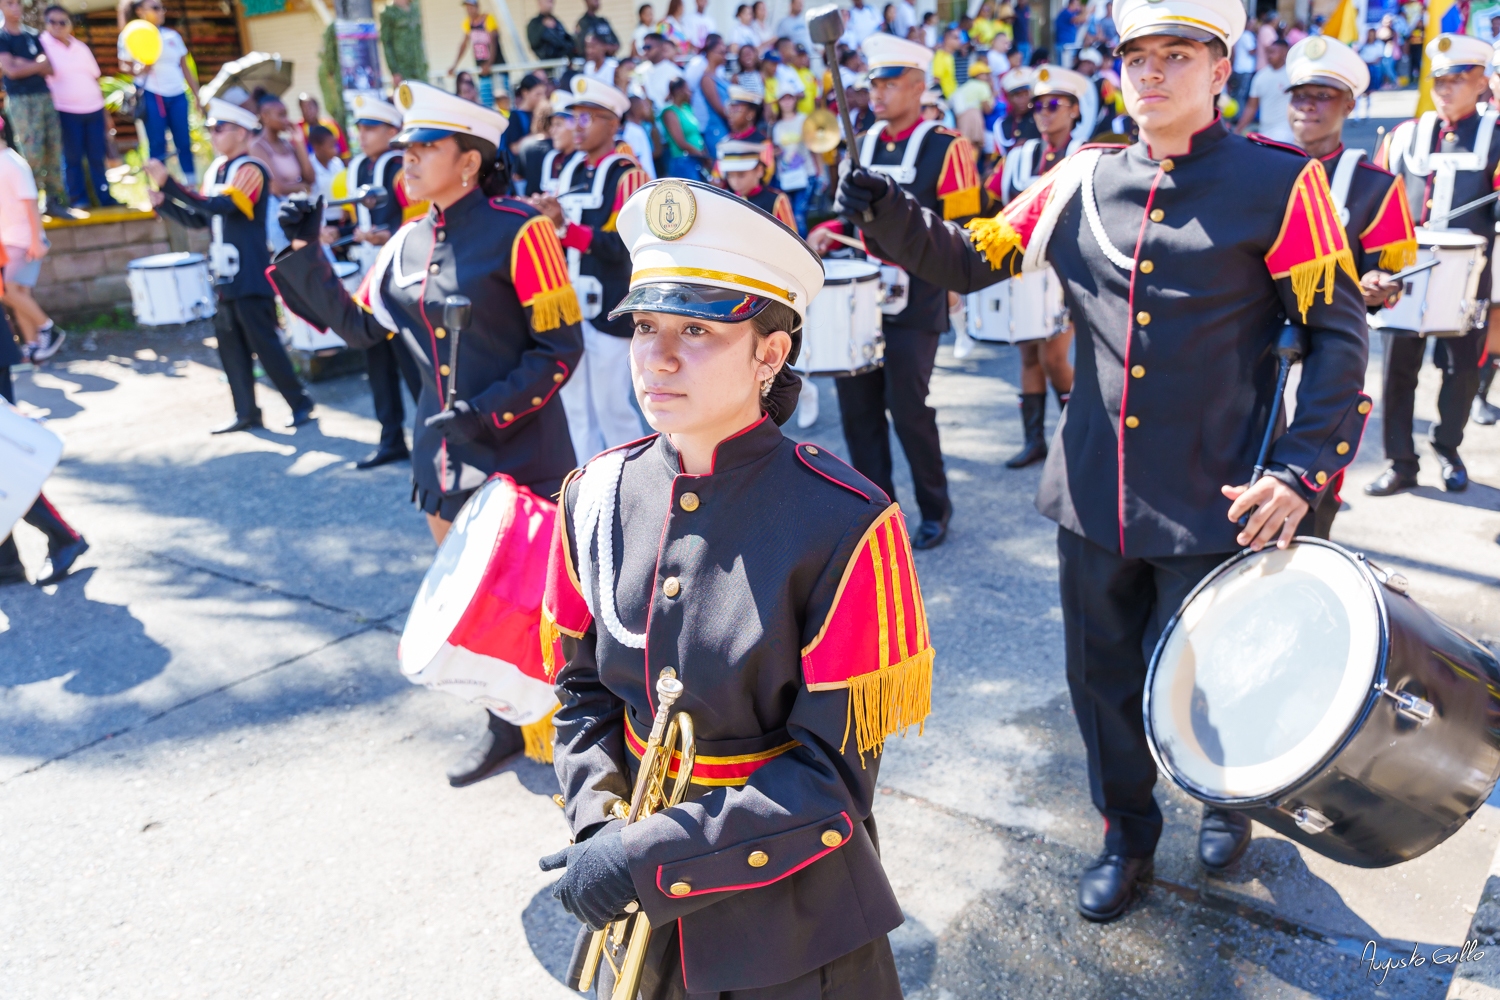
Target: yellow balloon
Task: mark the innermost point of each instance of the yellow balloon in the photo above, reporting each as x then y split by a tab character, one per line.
142	41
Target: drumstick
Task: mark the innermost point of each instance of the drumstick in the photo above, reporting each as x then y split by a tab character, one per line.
846	240
1402	275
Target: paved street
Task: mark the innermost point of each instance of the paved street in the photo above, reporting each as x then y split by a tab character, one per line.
215	783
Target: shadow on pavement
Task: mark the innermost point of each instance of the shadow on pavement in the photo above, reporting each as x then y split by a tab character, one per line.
550	932
1478	496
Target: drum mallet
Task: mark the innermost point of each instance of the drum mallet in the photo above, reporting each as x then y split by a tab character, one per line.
457	309
1291	347
825	25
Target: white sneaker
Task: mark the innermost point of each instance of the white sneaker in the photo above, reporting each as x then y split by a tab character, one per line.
47	343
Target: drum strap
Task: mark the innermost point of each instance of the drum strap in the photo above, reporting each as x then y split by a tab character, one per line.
362	212
906	172
598	497
1343	176
575	203
550	184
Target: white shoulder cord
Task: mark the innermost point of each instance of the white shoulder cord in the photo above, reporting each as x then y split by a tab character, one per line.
1091	213
598	494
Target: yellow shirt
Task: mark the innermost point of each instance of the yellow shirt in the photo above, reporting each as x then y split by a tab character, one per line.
983	31
809	92
944	72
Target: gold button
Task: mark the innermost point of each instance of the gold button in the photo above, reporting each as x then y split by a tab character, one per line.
1157	215
440	333
832	838
890	147
1343	448
390	336
432	269
558	377
671	587
1132	422
1429	202
1166	166
1321	477
442	236
1143	317
1138	370
443	369
811	450
758	859
1364	406
536	400
507	417
681	888
1147	267
689	502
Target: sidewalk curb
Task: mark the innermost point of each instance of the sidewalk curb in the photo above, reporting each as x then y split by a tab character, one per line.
1479	979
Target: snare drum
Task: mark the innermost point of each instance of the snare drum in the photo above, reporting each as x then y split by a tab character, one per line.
28	454
1027	307
842	335
1441	301
1304	688
475	627
170	288
302	335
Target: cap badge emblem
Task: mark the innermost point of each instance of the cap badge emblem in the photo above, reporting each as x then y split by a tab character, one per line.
580	84
1044	74
1316	48
1445	43
403	97
670	210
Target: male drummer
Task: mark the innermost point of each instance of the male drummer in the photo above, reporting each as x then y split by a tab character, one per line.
1326	79
388	364
1447	158
939	171
1148	474
741	165
590	192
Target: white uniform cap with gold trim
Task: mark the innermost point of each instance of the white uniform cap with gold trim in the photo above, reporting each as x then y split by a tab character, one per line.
703	252
223	111
1455	53
1320	59
562	102
431	114
593	94
744	95
887	55
1020	78
933	98
1057	80
1200	20
1090	55
373	111
736	155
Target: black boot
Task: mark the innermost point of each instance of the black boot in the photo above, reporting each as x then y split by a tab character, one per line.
1483	412
1222	837
64	545
11	568
1107	886
1062	398
500	742
1033	424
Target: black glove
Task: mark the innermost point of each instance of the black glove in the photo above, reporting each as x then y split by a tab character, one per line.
301	219
461	424
858	191
597	886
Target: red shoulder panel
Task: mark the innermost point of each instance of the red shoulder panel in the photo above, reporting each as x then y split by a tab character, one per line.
564	611
1312	243
1391	232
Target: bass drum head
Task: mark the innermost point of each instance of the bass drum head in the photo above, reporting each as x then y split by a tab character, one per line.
841	272
455	575
1264	672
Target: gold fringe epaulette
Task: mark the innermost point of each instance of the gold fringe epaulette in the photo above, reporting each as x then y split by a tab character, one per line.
889	701
552	309
551	635
961	203
995	238
539	736
1312	276
1398	255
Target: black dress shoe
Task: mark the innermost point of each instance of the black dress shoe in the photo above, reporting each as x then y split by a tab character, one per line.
1484	413
1455	476
1223	837
500	742
930	534
251	422
1106	887
300	416
61	561
1389	483
384	456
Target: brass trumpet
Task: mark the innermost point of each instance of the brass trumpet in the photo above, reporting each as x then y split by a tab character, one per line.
623	943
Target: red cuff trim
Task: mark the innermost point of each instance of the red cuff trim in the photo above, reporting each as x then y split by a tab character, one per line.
757	885
577	237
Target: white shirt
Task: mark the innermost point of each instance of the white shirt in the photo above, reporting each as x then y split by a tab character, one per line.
165	77
639	35
744	34
17	191
659	80
863	22
698	26
604	73
323	178
1269	88
906	18
794	28
1244	53
639	141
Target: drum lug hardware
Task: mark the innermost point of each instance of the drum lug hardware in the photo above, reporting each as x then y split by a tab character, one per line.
1309	820
1419	710
1392	581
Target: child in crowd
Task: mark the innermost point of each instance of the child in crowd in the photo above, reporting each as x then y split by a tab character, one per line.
25	246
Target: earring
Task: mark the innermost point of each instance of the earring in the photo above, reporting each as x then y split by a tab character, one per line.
466	180
765	387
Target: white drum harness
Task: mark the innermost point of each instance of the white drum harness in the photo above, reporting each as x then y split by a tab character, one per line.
223	258
574	204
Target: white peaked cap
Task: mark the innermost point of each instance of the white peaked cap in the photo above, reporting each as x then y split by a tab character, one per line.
371	109
1320	59
1456	53
1200	20
592	93
887	55
736	155
432	114
1057	80
223	111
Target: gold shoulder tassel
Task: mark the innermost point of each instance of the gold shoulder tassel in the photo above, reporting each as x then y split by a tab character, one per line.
889	701
550	310
994	238
1312	276
961	203
550	634
539	736
1398	255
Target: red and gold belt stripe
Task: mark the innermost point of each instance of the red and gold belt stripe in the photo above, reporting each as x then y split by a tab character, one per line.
713	771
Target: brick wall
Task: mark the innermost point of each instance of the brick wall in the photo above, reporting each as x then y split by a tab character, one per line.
84	272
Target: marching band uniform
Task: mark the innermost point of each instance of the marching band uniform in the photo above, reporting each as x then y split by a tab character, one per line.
937	168
597	399
510	364
1444	165
1016	126
1134	477
736	156
774	848
1371	201
388	363
233	205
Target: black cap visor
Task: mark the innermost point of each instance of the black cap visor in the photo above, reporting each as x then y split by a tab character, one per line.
420	133
1317	80
1187	31
890	72
707	302
1459	68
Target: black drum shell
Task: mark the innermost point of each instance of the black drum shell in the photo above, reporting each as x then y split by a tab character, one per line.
1394	788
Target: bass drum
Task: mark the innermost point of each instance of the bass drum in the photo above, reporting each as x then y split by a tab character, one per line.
1027	307
1305	689
843	334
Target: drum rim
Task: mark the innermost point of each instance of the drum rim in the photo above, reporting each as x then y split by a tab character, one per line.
852	279
1277	795
1461	243
190	258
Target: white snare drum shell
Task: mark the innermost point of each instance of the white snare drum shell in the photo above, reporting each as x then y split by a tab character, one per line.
843	332
1439	302
1026	307
170	288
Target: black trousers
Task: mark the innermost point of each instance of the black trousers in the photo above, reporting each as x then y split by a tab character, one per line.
1458	357
247	327
1114	610
900	387
389	363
